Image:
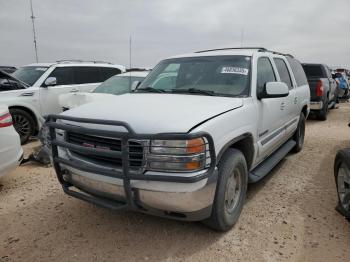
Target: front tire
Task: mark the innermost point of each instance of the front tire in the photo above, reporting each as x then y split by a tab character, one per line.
230	191
299	134
23	123
342	180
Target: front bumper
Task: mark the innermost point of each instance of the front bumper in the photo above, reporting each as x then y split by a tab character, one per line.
316	105
184	196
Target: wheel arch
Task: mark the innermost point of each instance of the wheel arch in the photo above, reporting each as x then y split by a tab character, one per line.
244	143
30	112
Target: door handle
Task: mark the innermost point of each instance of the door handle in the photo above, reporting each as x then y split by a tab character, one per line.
295	100
73	90
282	105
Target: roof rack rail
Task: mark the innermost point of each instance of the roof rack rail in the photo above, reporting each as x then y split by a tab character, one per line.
278	53
137	69
232	48
81	61
260	49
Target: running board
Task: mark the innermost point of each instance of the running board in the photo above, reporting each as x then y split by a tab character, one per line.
269	163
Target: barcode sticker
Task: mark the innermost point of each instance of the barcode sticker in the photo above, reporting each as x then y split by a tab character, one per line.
234	70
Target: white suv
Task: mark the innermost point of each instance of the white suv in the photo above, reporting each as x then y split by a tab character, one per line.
43	84
188	148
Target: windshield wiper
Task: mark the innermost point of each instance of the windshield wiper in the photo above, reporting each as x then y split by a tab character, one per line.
194	91
150	90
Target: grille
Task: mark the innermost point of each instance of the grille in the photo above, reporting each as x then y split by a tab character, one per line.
136	150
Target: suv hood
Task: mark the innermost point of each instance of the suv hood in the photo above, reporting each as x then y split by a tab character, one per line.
77	99
157	113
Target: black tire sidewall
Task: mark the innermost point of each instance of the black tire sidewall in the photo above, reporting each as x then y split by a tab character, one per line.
297	138
322	115
221	220
23	113
342	157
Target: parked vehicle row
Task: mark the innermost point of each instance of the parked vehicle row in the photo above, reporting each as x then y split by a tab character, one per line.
187	141
32	91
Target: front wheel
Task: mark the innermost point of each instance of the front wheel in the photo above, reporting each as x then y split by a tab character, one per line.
23	123
230	191
299	134
342	179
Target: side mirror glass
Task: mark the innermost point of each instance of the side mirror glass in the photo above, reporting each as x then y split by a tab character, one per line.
274	90
51	81
135	85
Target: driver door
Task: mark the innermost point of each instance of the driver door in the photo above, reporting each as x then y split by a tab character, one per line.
271	113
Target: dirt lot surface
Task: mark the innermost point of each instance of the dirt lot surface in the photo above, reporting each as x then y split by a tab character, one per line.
289	216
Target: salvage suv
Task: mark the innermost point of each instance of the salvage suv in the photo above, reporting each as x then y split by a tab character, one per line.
32	91
186	149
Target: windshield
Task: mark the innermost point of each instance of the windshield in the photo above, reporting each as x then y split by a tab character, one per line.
117	85
206	75
29	74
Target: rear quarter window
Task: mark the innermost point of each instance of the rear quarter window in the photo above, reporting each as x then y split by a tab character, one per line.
298	71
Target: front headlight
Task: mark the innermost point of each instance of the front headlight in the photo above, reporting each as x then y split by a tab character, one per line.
178	155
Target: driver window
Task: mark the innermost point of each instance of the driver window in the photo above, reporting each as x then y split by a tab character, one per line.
265	73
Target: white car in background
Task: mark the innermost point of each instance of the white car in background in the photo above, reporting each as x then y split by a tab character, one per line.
116	85
10	145
32	91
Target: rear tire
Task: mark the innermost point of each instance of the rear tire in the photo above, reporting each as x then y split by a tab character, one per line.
23	123
230	191
322	114
342	180
299	134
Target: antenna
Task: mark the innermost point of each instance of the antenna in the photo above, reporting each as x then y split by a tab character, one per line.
242	35
130	61
34	34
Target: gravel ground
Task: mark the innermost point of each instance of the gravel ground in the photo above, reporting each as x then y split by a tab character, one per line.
289	216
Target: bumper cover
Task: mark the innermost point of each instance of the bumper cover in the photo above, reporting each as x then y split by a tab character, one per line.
316	105
184	196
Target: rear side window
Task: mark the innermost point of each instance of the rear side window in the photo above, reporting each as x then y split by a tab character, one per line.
265	73
298	71
108	72
86	75
283	72
313	71
64	75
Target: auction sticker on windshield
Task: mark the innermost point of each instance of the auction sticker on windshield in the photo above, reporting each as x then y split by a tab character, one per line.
234	70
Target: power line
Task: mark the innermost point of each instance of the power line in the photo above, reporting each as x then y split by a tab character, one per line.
34	33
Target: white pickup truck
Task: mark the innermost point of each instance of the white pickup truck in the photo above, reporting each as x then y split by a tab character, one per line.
32	91
186	149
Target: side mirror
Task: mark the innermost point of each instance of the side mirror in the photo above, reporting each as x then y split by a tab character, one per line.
135	85
51	81
274	90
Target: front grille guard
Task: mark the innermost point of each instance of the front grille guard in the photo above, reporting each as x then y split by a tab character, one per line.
130	193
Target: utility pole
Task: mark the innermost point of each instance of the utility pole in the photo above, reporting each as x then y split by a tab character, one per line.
34	34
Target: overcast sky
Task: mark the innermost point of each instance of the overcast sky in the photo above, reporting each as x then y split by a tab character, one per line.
311	30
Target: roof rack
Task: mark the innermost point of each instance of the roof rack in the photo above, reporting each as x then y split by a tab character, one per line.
259	49
64	61
232	48
137	69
